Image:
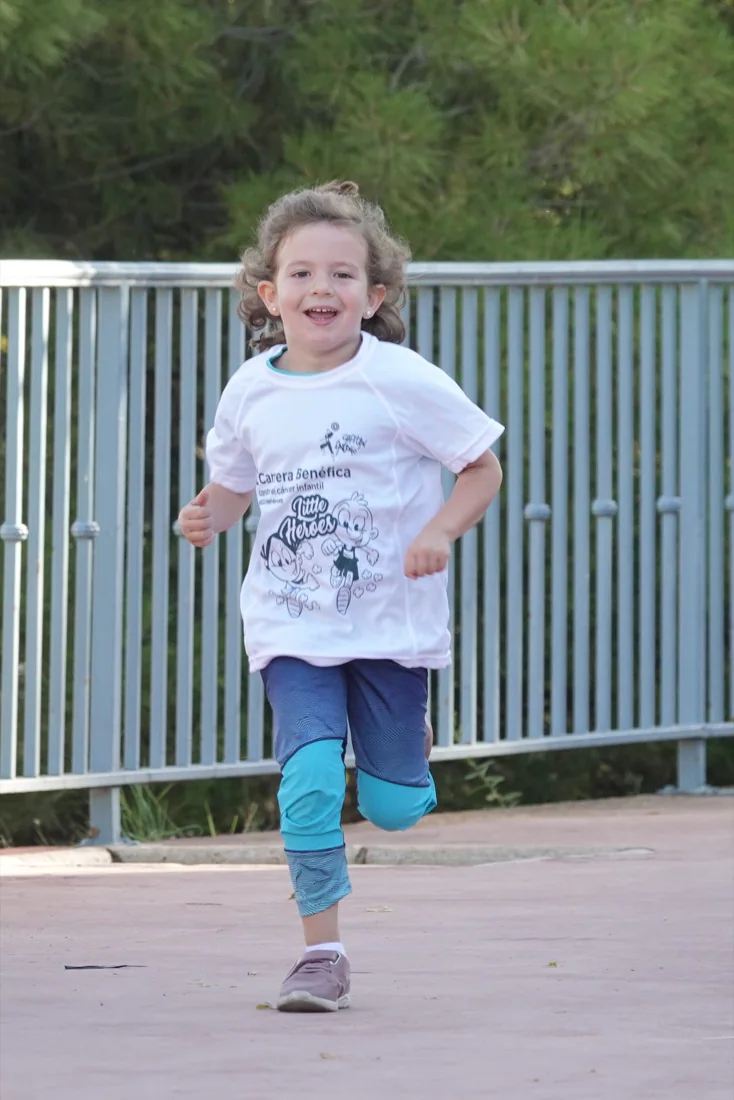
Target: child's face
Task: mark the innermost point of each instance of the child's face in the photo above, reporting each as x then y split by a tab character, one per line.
282	562
321	291
354	523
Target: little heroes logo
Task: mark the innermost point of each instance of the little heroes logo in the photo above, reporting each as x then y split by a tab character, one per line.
310	520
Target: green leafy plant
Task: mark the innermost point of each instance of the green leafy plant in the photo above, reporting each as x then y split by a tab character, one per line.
482	782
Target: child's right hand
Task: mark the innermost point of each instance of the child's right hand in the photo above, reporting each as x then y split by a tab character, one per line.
195	521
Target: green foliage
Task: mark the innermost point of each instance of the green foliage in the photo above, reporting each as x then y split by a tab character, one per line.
481	786
55	817
115	115
146	816
490	129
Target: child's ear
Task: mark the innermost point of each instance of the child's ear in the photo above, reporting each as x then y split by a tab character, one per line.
375	298
268	294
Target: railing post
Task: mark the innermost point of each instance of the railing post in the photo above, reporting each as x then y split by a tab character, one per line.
107	608
13	533
692	622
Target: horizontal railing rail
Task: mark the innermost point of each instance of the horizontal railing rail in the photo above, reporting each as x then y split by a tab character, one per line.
70	273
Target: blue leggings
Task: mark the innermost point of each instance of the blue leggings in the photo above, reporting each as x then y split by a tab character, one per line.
385	706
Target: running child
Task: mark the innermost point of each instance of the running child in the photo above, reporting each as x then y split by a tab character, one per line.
341	432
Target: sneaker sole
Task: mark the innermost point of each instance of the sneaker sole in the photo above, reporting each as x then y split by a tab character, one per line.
306	1002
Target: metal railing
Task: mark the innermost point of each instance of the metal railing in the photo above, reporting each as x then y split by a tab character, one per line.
593	606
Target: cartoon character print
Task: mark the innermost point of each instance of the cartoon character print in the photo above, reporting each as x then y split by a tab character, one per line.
354	531
286	561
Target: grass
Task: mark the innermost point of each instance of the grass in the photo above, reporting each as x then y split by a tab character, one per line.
146	816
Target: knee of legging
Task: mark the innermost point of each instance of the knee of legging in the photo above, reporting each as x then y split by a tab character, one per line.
311	793
392	806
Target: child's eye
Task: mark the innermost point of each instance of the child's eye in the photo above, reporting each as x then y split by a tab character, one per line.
344	275
299	274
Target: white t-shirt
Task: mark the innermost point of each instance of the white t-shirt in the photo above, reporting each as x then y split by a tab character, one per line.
347	469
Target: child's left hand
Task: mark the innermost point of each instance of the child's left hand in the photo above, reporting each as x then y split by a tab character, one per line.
428	553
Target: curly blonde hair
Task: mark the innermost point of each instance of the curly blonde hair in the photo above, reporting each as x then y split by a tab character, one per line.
337	202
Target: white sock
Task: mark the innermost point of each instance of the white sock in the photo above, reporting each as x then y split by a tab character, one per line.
328	947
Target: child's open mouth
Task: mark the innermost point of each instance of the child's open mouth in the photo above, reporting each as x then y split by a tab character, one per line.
321	315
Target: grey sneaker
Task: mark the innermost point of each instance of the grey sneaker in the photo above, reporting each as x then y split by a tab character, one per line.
319	982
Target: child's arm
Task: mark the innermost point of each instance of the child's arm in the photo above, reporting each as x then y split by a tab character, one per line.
214	510
476	487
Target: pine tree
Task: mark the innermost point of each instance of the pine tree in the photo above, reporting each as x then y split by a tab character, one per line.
490	129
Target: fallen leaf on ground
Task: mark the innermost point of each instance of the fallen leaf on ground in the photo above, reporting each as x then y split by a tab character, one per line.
552	964
327	1057
380	909
264	1005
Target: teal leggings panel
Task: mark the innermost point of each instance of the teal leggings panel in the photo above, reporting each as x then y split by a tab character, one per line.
311	797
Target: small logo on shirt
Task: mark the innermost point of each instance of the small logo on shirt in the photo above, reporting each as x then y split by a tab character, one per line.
335	441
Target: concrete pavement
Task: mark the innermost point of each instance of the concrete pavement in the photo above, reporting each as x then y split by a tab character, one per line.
604	971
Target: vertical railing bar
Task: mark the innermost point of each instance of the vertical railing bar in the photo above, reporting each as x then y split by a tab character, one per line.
13	532
60	550
186	552
468	550
447	361
161	527
647	583
625	495
255	748
84	529
581	520
233	645
491	557
255	703
425	312
559	505
405	312
716	459
514	479
667	506
210	556
35	574
424	325
604	509
110	462
537	516
135	528
730	501
694	331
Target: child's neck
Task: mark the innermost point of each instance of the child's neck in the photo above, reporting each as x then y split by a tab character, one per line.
300	361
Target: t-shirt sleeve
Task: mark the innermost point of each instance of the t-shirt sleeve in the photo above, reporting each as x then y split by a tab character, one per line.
230	462
442	423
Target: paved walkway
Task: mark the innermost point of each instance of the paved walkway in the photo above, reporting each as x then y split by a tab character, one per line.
598	976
